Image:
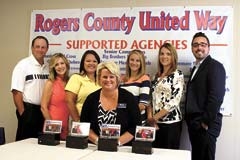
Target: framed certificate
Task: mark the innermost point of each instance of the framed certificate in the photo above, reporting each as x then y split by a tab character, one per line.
110	131
80	129
52	126
144	133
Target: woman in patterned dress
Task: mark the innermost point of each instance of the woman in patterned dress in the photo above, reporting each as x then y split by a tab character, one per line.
167	90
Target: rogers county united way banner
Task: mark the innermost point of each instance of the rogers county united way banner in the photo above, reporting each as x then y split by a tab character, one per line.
113	32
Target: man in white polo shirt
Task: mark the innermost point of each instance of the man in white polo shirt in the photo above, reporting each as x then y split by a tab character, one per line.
28	79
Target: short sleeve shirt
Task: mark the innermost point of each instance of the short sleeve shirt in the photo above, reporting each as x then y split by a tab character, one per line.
29	77
82	86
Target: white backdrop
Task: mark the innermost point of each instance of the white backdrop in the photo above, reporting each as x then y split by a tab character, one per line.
113	32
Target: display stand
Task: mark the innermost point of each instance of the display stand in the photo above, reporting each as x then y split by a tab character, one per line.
79	142
142	147
51	139
108	144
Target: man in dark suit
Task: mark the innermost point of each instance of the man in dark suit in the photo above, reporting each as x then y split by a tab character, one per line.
204	96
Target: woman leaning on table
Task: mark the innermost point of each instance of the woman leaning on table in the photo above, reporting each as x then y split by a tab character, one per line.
81	85
167	90
111	105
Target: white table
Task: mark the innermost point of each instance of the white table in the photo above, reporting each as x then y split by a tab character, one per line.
29	149
125	153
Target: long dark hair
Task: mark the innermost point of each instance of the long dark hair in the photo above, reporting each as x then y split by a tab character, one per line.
82	70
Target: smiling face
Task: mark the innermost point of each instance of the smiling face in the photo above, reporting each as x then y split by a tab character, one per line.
107	80
60	67
39	50
90	64
200	48
134	63
165	57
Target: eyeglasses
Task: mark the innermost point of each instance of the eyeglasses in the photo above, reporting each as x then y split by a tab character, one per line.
202	44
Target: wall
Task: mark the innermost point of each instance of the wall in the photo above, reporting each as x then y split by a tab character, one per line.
15	24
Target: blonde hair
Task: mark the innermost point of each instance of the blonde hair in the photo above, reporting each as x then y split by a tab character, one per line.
142	69
52	64
174	56
111	67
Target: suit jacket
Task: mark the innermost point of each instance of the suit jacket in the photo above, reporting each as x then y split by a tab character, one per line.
205	94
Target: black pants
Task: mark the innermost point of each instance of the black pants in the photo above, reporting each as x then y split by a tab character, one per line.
30	123
203	141
168	136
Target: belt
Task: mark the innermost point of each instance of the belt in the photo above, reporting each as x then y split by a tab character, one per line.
26	104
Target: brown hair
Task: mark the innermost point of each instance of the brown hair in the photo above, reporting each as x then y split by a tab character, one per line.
142	69
174	55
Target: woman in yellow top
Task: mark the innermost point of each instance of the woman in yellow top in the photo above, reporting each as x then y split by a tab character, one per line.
81	85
